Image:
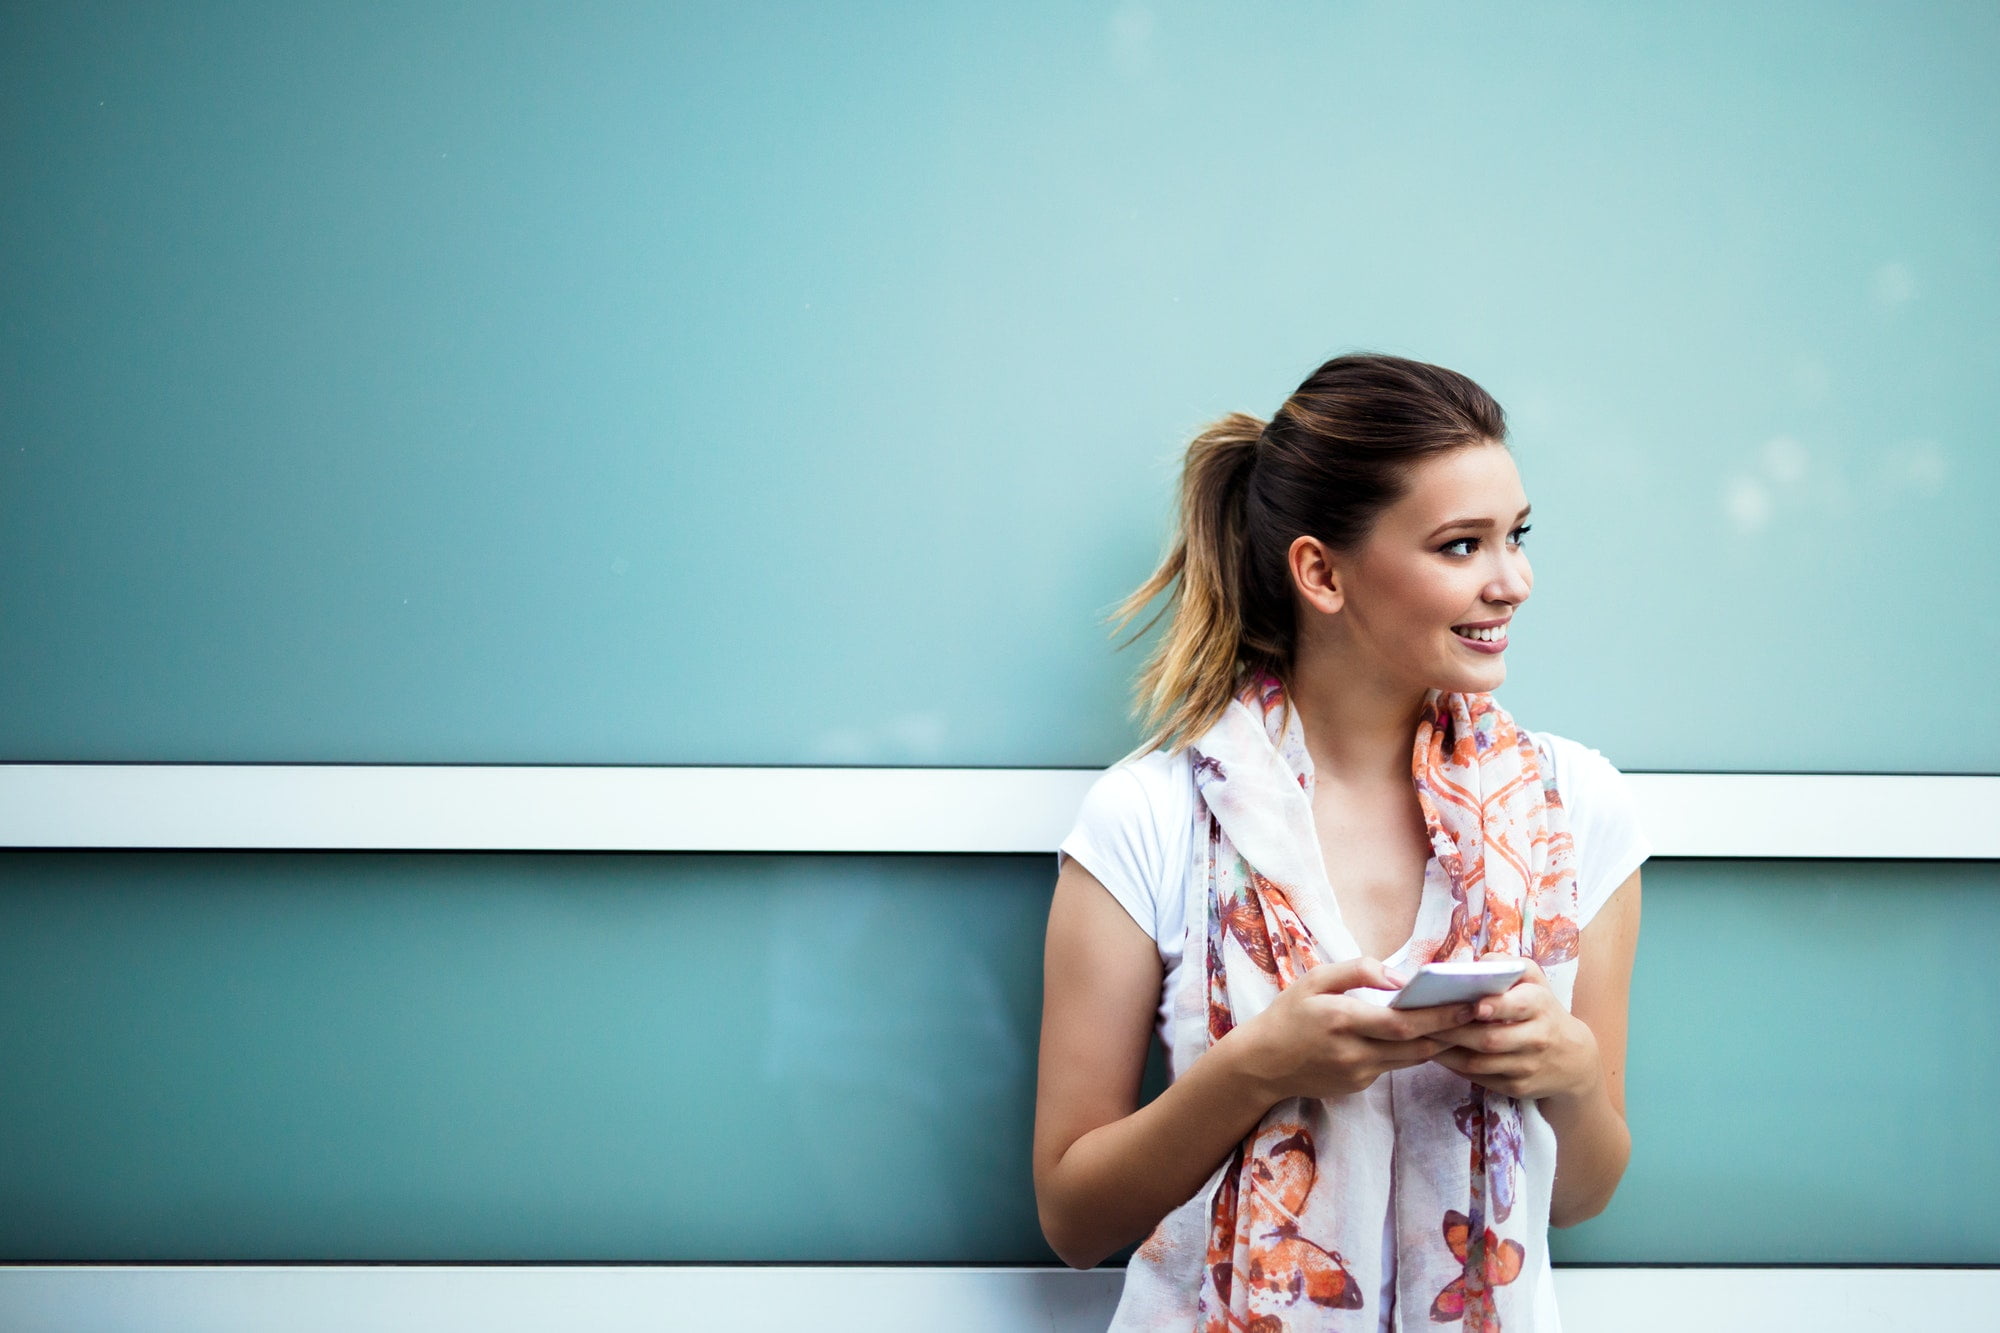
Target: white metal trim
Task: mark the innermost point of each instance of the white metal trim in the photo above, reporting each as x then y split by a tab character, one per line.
1820	815
969	810
627	1299
1773	1300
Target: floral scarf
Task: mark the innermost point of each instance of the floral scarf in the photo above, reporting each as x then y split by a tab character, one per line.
1288	1233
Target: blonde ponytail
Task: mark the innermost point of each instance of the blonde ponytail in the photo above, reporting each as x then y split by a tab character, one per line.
1195	668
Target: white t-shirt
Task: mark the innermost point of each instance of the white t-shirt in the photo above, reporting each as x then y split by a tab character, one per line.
1137	828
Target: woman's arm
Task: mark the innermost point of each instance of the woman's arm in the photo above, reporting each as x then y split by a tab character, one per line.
1571	1061
1105	1172
1104	1176
1592	1141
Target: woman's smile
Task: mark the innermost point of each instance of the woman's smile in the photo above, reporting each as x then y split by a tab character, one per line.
1490	637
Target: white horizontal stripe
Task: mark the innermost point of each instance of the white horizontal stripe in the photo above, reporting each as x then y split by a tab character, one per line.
555	808
1820	815
1774	1300
476	808
621	1299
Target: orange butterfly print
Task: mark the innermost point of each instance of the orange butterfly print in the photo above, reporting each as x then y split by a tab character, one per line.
1295	1269
1245	921
1503	926
1489	1262
1263	920
1283	1267
1556	941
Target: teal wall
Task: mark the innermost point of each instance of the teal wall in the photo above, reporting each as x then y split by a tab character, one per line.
485	382
759	383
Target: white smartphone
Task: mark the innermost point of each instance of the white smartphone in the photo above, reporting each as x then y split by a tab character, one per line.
1457	983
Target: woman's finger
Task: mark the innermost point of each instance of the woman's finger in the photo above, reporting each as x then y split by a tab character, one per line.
1378	1022
1404	1054
1533	973
1456	1059
1491	1038
1480	1066
1351	973
1519	1002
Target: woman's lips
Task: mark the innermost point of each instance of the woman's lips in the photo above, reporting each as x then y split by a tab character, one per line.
1498	645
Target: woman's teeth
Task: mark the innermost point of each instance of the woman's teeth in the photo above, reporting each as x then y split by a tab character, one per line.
1493	634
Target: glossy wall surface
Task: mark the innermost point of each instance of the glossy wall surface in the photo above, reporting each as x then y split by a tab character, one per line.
770	383
252	1056
786	384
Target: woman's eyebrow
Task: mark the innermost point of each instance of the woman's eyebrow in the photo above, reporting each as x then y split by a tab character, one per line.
1474	522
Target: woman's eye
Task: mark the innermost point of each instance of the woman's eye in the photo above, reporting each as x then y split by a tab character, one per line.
1467	545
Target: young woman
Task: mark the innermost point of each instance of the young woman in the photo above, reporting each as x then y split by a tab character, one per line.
1329	799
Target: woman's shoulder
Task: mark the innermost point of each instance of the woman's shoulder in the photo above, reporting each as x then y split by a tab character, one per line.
1154	789
1584	778
1164	778
1133	832
1604	818
1565	751
1581	764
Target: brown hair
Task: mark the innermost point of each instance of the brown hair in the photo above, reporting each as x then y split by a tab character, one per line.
1337	453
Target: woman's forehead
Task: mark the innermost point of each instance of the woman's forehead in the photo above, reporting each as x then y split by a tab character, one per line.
1479	483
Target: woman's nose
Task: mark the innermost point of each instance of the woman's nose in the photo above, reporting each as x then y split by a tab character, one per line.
1513	581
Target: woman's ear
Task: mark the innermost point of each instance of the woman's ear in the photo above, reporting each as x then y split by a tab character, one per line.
1315	574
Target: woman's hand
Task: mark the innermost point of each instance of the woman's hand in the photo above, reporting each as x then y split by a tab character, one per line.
1316	1041
1523	1043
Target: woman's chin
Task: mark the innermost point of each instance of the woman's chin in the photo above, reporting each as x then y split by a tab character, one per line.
1484	681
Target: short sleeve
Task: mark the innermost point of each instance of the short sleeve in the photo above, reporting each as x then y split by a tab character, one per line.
1604	822
1117	839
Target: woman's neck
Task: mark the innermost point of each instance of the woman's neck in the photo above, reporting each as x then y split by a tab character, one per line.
1358	727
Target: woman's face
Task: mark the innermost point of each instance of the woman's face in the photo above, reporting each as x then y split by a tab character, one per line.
1428	594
